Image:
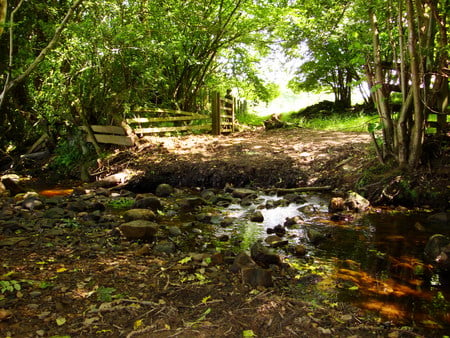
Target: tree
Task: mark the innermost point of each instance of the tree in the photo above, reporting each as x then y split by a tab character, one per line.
13	79
410	53
319	33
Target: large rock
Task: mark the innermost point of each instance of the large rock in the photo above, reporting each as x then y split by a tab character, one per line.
139	229
243	192
164	190
150	202
257	216
251	273
136	214
263	255
437	251
353	202
356	202
242	260
192	203
10	183
257	277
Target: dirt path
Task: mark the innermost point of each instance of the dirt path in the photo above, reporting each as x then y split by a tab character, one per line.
282	158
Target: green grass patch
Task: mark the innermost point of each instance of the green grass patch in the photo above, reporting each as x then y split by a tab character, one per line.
336	122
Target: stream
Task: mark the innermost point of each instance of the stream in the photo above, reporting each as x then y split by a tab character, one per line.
374	261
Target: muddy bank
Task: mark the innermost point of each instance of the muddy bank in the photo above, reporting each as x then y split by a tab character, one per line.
282	158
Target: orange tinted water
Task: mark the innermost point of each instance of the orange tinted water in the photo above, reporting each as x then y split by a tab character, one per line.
55	192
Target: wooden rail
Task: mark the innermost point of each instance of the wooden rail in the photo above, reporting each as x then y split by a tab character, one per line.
144	126
220	121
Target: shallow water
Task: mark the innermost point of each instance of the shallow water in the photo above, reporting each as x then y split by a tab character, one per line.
375	262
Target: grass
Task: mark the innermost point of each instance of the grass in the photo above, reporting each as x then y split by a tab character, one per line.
338	122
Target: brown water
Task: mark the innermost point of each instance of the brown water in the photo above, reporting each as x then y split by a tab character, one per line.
375	262
381	266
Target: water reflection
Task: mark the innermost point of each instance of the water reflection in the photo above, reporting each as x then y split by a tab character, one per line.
375	262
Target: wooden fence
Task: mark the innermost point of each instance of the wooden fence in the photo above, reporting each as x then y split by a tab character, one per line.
148	121
173	120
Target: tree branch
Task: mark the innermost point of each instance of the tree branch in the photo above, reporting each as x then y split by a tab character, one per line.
56	37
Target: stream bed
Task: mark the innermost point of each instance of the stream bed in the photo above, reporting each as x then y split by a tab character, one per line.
374	261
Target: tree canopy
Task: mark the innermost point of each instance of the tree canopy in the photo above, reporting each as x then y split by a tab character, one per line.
65	62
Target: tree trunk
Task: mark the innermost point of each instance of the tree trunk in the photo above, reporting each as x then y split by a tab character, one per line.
417	133
380	97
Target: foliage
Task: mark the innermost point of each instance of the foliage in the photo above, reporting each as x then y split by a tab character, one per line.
9	286
336	121
121	203
105	294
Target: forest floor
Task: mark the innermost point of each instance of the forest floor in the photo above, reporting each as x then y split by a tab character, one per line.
70	281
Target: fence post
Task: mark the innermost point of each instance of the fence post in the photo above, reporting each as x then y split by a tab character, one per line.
215	113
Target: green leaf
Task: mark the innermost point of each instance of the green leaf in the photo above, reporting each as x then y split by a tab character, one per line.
248	333
185	260
60	321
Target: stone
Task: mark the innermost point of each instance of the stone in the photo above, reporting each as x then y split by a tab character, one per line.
279	230
3	190
165	247
439	218
227	221
336	204
136	214
294	198
151	202
80	206
275	241
257	277
356	202
208	195
139	229
292	222
174	231
437	251
32	203
299	250
12	186
243	192
164	190
54	213
314	236
257	216
242	260
192	203
264	256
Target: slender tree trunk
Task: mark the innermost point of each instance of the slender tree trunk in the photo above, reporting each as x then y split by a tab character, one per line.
380	97
417	133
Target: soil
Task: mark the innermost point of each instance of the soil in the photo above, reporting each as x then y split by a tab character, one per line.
280	158
89	282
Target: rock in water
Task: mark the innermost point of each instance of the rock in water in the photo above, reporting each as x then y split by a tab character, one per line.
151	202
437	251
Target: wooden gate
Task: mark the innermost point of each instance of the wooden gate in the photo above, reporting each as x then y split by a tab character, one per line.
221	120
222	114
